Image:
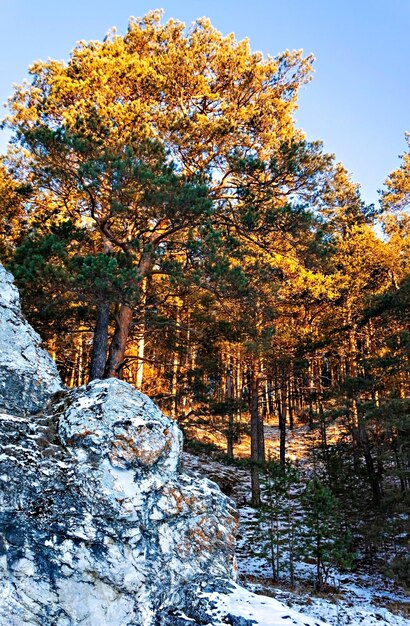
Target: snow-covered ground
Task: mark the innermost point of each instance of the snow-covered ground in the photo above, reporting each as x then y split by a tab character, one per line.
357	602
257	609
348	607
365	599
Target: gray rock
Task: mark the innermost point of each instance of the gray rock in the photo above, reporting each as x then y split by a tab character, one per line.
97	525
27	373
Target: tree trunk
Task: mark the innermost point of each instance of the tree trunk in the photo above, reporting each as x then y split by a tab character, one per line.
141	351
229	397
80	368
374	480
123	319
319	583
100	338
255	435
291	401
176	362
311	392
118	345
282	425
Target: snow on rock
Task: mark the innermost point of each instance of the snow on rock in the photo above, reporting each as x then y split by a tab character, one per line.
27	373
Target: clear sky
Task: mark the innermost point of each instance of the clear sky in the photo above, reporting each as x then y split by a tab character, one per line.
357	103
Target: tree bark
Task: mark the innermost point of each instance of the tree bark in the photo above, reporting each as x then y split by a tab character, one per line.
257	439
123	320
118	345
291	401
141	352
282	425
175	365
229	397
254	410
100	338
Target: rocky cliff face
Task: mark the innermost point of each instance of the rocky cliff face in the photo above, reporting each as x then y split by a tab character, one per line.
97	524
27	373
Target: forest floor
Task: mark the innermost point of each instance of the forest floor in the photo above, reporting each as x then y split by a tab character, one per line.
363	597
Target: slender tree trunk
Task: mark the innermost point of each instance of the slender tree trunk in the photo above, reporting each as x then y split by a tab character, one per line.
141	337
291	401
141	351
118	345
73	369
185	360
261	416
80	369
239	391
261	436
351	372
255	434
100	338
318	551
399	468
282	425
292	556
270	397
371	471
176	362
229	397
359	428
311	392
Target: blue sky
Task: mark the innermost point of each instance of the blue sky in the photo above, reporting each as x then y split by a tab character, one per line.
357	103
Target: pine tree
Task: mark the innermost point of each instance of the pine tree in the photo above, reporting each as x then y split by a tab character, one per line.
279	517
323	537
93	131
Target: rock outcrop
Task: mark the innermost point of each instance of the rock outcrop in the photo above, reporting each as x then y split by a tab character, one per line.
98	526
27	373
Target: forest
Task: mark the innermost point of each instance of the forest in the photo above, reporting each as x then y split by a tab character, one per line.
169	225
